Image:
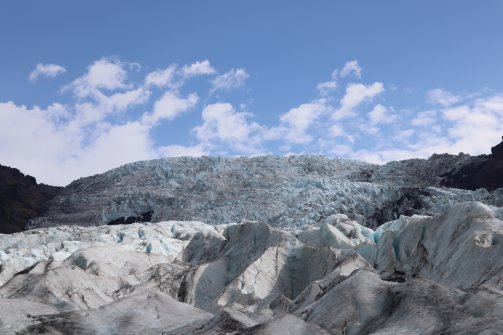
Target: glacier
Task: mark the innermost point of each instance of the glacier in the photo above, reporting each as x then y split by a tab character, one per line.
289	192
417	274
263	245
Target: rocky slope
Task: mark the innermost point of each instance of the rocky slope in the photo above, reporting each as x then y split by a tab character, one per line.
21	199
280	191
480	171
414	275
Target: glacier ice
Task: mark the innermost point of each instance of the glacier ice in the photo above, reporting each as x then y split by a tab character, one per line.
292	192
416	274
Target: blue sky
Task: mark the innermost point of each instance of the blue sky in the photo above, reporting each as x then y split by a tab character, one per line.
88	86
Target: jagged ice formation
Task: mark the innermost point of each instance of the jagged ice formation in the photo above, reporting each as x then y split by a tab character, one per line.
290	192
413	275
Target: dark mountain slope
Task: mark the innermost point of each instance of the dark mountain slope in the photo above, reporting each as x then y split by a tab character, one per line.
484	171
21	199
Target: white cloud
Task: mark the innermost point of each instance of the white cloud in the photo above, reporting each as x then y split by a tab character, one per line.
491	105
403	135
168	107
354	96
30	136
57	112
174	77
198	68
102	91
480	128
337	130
63	142
181	151
115	146
368	129
235	78
105	73
455	113
383	156
295	123
121	101
351	67
56	153
443	98
222	123
46	70
380	114
101	106
327	87
425	118
341	150
472	128
161	77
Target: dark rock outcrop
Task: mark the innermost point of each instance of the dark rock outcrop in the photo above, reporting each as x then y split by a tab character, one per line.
143	217
484	171
21	199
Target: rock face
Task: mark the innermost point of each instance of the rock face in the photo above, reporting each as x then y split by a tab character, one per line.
21	199
414	275
481	171
280	191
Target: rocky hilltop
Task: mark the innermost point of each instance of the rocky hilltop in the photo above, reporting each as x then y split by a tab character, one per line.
484	171
283	192
21	199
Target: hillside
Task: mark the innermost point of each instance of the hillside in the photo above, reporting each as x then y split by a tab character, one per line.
21	199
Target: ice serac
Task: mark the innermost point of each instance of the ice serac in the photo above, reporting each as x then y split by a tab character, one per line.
439	274
292	192
254	262
461	248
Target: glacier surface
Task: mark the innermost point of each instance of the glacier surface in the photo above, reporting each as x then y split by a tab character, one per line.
291	192
417	274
